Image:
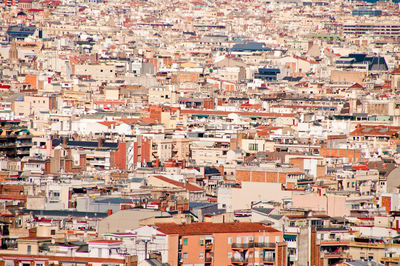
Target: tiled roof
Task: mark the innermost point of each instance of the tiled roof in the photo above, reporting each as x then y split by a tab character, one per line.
263	210
109	123
356	86
104	241
129	120
210	228
396	71
375	131
35	238
226	113
188	186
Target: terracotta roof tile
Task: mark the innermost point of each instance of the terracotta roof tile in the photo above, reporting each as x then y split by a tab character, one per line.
226	113
363	130
210	228
188	186
396	71
109	123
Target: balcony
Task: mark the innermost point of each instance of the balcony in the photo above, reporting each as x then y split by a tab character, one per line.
292	229
390	259
252	245
334	242
292	258
265	245
242	245
336	255
239	260
209	259
367	245
269	259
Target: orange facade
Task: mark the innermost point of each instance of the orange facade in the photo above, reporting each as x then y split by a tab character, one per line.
260	176
352	155
225	244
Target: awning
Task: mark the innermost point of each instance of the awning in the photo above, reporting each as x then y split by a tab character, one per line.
290	237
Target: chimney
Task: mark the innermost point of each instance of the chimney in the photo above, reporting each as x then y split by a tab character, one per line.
221	170
32	232
157	163
310	44
100	142
82	162
64	141
183	164
109	212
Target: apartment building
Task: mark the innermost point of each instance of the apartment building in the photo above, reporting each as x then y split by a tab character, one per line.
224	244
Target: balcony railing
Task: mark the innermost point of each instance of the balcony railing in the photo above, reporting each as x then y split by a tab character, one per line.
343	255
268	258
209	259
253	244
334	242
209	246
242	245
265	245
239	260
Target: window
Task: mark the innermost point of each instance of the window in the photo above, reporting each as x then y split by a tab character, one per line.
185	255
201	255
201	241
230	240
229	254
316	223
185	241
253	146
29	249
53	232
277	239
260	239
238	240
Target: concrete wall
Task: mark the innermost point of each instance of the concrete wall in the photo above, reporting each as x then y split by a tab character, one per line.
241	198
332	205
